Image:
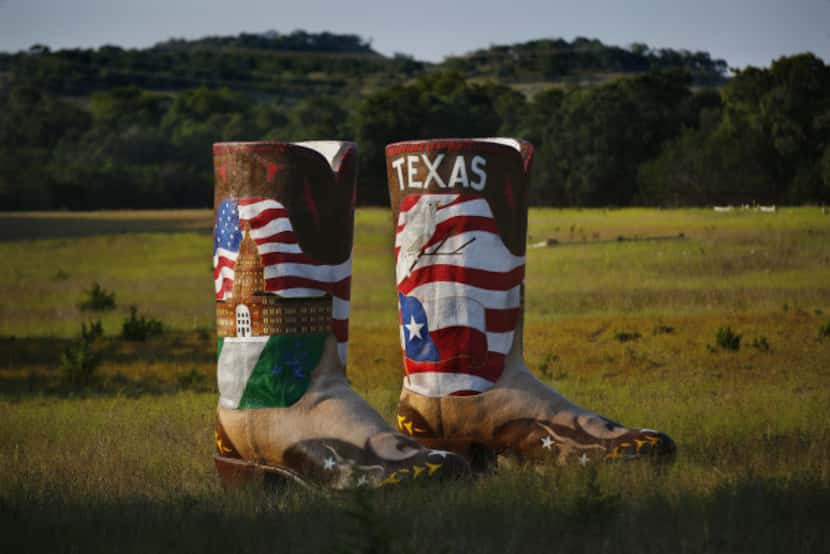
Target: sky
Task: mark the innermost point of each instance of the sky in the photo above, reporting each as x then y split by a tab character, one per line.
743	32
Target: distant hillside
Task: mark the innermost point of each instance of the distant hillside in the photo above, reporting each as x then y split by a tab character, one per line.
583	60
297	41
289	66
292	66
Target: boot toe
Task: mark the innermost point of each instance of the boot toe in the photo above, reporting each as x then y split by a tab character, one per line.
453	466
665	448
645	443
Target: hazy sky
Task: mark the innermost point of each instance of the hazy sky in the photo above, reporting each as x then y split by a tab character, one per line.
743	32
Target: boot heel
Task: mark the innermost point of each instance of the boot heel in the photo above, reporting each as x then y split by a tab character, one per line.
238	473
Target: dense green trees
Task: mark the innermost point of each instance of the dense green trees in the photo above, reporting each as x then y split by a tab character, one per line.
70	138
593	140
767	143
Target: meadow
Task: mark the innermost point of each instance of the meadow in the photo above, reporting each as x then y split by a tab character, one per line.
623	309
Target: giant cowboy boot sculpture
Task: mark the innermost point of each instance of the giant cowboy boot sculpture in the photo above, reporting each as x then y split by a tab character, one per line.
282	269
460	207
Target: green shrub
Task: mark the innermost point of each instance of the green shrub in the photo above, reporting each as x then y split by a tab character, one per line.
80	358
139	328
663	330
727	339
192	380
97	299
824	330
761	343
546	368
626	336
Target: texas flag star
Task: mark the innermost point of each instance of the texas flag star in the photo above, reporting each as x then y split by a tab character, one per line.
414	328
415	324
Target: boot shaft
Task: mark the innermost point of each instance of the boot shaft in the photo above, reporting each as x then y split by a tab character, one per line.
284	217
460	209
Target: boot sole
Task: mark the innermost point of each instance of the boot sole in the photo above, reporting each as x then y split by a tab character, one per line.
482	458
236	473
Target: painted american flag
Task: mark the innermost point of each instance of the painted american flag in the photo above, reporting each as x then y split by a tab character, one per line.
289	272
459	294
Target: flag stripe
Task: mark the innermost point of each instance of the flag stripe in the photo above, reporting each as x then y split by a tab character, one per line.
224	286
476	208
458	225
492	280
340	328
301	292
329	274
223	253
340	308
501	321
295	264
501	343
273	227
445	384
450	312
339	288
262	218
225	275
287	238
481	250
254	201
279	247
461	347
487	298
490	369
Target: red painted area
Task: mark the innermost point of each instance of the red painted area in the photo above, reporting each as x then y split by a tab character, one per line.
490	368
340	328
508	193
309	203
491	280
265	216
272	169
502	321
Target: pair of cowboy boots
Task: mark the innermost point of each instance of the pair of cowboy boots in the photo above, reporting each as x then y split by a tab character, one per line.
282	270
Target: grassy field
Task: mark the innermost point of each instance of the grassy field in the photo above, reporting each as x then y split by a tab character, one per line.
622	313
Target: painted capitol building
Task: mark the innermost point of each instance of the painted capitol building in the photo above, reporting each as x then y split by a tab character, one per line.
250	311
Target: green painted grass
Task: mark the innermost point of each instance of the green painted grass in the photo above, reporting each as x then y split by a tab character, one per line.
124	464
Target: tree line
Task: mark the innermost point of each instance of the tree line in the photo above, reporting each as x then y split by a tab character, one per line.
651	138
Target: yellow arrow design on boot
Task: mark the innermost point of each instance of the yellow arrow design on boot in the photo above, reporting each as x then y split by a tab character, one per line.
391	479
433	467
